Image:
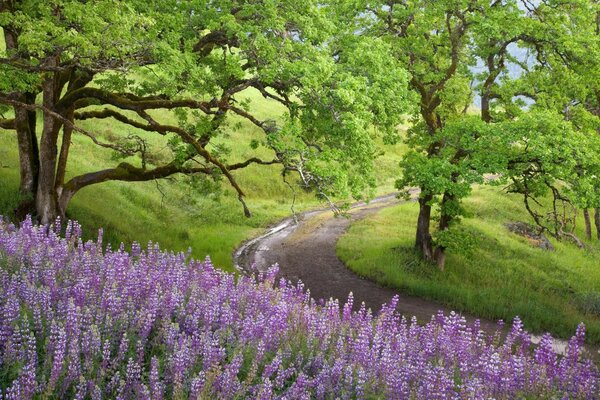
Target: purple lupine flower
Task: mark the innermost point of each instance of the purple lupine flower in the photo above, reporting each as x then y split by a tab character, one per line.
81	390
59	346
156	386
153	324
197	385
265	390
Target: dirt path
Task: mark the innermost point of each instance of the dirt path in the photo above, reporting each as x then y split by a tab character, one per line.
307	252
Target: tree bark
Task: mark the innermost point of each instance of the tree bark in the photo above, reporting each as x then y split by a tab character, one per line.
64	152
46	197
588	223
423	242
25	125
439	255
28	149
46	203
63	200
597	222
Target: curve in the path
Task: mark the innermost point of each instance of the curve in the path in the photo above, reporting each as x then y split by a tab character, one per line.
307	252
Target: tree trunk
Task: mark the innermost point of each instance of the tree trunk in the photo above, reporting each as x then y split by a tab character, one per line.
423	241
439	255
64	152
588	223
597	222
28	151
46	202
25	125
64	198
46	198
65	194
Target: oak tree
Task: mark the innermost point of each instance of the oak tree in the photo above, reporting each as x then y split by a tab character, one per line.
145	64
472	66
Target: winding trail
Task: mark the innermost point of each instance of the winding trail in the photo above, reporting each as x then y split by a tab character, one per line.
307	252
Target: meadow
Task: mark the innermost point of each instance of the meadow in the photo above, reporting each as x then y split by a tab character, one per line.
501	275
177	214
136	295
78	322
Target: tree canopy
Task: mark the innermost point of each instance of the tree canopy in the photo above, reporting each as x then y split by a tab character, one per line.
489	78
95	60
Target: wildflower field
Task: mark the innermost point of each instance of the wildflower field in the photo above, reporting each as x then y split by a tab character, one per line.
81	321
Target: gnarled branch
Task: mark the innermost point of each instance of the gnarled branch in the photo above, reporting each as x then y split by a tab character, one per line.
8	123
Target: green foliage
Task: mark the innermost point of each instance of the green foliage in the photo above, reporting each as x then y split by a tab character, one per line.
175	214
198	59
457	241
547	155
506	52
447	172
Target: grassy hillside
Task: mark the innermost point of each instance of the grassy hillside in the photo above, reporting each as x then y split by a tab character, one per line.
166	211
502	277
169	211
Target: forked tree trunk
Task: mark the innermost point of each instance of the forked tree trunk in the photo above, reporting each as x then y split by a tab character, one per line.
588	223
46	201
423	242
63	193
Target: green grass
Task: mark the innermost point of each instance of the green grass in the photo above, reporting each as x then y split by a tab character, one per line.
170	212
503	277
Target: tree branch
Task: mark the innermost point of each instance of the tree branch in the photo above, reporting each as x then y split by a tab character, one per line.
455	40
8	124
130	173
130	101
252	160
64	120
109	113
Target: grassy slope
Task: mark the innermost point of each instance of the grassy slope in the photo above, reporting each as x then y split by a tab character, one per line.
182	218
504	276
